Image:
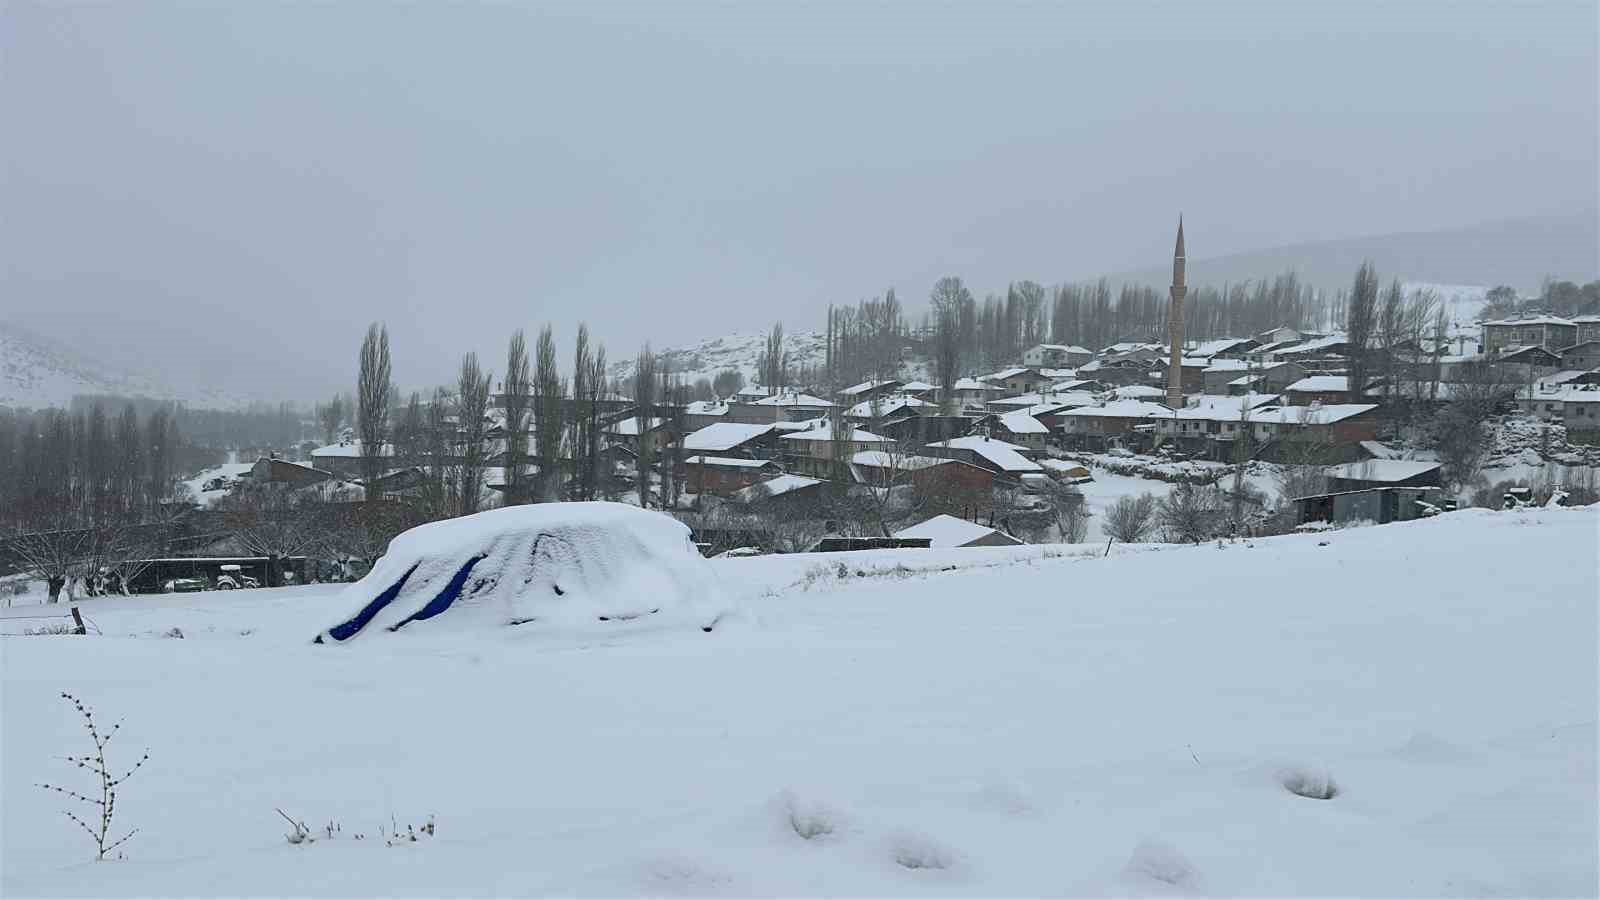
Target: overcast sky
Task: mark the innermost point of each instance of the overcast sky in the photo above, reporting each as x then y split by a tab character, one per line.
239	188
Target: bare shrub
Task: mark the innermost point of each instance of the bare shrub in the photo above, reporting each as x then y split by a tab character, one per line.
1130	519
95	763
1190	514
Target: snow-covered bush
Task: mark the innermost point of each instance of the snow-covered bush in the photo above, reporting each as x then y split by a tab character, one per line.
552	564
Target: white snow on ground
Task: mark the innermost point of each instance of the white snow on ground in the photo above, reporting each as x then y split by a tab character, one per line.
228	471
1017	726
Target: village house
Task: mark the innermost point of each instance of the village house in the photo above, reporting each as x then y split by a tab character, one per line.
1056	355
889	407
1110	423
973	392
1324	389
1000	457
1548	332
344	457
789	406
733	439
1582	356
867	390
634	431
948	532
1377	473
918	430
723	475
811	452
1338	429
1377	504
1224	348
701	413
920	390
1266	378
274	471
1211	420
1019	380
1588	328
1017	427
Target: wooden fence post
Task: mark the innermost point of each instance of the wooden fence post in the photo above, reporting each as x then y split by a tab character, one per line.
77	622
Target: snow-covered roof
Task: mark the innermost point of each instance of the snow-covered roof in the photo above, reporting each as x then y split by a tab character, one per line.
728	462
774	487
945	531
916	387
1380	450
1228	365
1020	422
1075	385
1221	345
1064	348
1135	391
974	384
1313	346
1535	320
856	435
1058	374
706	408
1319	384
347	450
629	427
793	399
1326	414
864	386
1041	398
1246	380
1122	409
885	406
720	436
751	391
1224	409
1382	469
882	459
1003	374
1005	456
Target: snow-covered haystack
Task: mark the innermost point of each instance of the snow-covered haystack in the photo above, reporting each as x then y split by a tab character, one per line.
582	565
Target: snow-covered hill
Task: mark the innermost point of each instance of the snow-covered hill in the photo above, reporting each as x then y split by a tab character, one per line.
1010	721
740	350
38	372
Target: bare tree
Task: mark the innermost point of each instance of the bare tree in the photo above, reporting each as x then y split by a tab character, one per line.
278	524
550	417
439	442
1071	514
472	404
949	297
1130	519
584	443
644	399
51	556
373	390
1360	322
774	361
516	399
1190	513
330	416
1459	432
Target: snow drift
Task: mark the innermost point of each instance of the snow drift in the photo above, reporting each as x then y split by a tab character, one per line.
564	564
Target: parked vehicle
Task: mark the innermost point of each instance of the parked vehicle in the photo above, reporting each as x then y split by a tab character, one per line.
233	578
185	586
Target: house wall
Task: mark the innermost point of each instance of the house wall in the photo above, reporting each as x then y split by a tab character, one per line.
702	479
1584	356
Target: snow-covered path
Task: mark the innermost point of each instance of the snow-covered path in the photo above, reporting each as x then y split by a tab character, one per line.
1017	726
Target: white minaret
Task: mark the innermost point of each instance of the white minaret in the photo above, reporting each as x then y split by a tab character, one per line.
1175	325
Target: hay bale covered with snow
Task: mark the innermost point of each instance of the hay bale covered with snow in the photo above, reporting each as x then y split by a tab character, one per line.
582	565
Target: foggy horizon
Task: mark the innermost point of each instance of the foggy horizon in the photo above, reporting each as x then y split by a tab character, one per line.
223	184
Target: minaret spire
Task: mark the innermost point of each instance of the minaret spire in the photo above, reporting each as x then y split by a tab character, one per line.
1175	323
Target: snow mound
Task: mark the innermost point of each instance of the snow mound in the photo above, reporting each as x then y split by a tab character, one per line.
560	564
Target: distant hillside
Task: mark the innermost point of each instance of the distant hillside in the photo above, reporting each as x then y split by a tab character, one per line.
38	372
741	351
1515	252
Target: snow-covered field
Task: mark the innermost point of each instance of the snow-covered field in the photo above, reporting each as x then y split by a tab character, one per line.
965	722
